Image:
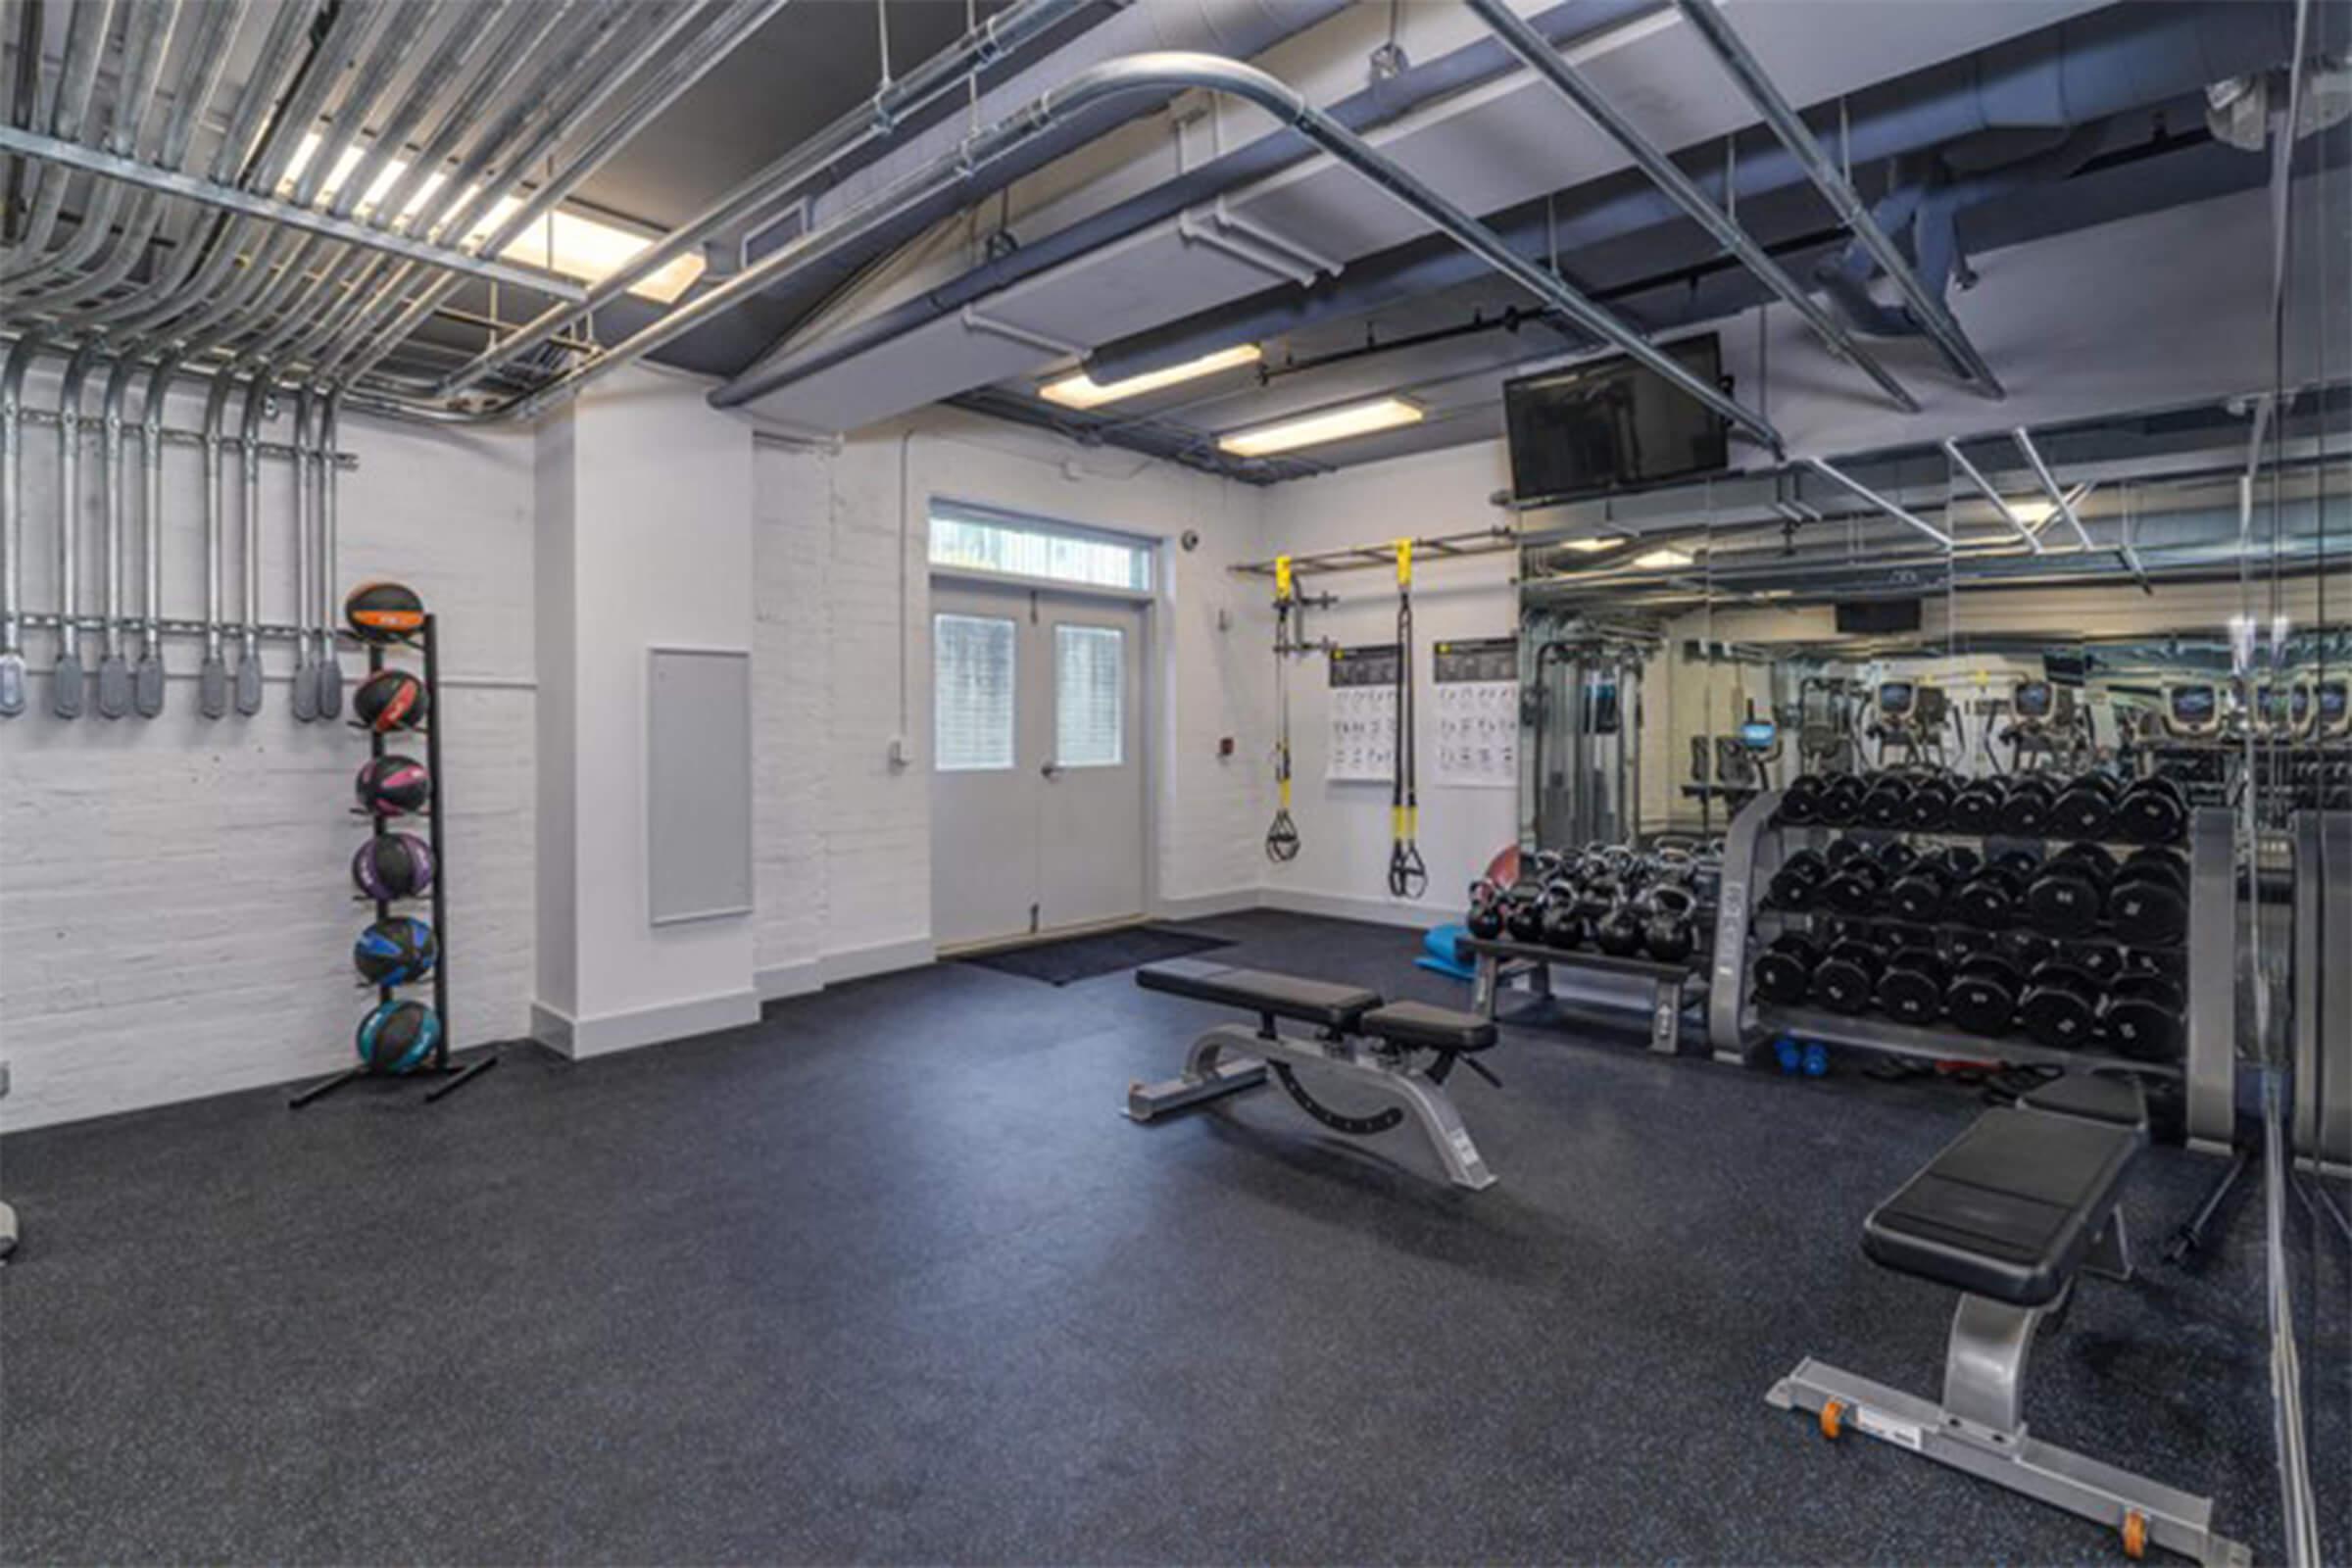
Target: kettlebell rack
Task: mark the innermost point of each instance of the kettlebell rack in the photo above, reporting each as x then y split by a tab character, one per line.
1740	1026
447	1076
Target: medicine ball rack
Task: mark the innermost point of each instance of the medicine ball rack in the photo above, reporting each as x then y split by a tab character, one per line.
1741	1027
447	1076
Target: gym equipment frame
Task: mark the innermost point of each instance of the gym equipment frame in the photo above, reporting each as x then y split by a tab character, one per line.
1501	961
1738	1027
450	1075
1375	1049
2011	1214
2323	992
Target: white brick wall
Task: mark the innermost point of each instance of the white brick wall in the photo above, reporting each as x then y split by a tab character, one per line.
176	910
844	874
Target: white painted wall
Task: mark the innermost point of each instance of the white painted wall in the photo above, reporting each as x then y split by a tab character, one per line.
175	905
843	667
646	507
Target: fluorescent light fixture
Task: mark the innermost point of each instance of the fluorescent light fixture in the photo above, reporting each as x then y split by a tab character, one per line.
560	242
1661	559
1590	547
2033	514
1082	391
1331	424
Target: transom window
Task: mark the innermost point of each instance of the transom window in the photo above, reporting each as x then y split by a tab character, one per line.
971	538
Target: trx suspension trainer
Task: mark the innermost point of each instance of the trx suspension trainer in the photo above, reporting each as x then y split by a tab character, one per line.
1408	877
1281	839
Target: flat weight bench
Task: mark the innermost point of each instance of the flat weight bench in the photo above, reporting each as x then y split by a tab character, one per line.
1404	1052
2008	1214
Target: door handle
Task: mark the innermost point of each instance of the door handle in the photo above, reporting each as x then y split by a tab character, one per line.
1051	769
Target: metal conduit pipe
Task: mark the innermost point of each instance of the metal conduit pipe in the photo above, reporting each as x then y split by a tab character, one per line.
280	140
1928	308
114	671
521	91
306	678
216	23
1537	52
653	96
426	93
212	683
2096	64
65	679
872	120
488	88
146	37
147	680
1150	71
330	678
20	356
279	50
405	30
86	27
595	64
249	461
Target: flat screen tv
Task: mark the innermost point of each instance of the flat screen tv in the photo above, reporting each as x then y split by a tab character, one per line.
1610	424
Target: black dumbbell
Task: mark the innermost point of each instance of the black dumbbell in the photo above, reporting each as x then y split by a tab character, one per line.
2086	808
1982	996
1785	969
1976	807
2151	810
2148	902
2060	1008
1841	800
2101	960
1848	977
1988	899
1895	857
2146	1016
2068	897
1931	807
1484	918
2026	807
1797	885
1855	885
1887	803
1911	990
1919	895
1800	803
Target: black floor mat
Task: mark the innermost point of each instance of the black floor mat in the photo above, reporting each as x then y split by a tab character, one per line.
1058	964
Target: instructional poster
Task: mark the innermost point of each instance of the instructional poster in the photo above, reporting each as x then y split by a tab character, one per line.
1363	715
1478	713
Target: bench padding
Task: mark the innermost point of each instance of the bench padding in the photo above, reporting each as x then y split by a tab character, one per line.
2009	1209
1258	990
1426	1028
2094	1097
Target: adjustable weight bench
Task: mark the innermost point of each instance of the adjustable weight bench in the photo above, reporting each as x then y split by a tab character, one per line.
2008	1214
1404	1052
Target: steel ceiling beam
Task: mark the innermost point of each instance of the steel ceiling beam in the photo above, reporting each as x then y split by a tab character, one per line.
1930	310
1540	56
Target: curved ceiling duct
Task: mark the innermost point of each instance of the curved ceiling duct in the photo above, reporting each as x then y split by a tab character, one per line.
2086	68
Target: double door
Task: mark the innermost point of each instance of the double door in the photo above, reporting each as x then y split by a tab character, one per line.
1037	781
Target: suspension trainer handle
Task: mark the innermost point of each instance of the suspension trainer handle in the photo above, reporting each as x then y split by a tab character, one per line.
1281	837
1408	876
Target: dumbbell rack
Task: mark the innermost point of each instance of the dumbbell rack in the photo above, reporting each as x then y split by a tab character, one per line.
1738	1027
445	1075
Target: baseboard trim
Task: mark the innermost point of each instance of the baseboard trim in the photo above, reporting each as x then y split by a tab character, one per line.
788	980
583	1037
857	964
1354	907
1202	905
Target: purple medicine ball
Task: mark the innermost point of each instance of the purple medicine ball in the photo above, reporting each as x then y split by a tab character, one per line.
393	865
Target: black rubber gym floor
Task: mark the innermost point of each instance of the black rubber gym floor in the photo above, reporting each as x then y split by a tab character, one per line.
886	1278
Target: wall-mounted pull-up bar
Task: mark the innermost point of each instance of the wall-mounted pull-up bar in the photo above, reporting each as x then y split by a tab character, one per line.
1355	558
